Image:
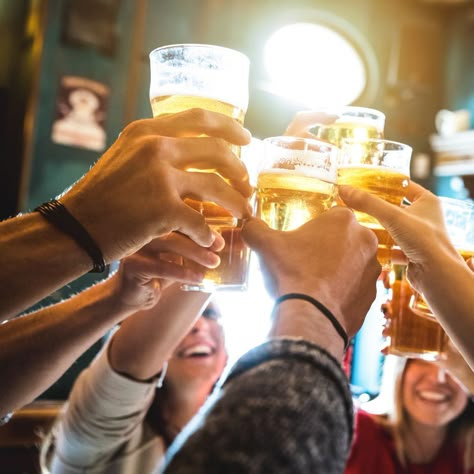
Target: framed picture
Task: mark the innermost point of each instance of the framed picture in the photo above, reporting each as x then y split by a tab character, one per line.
92	23
81	110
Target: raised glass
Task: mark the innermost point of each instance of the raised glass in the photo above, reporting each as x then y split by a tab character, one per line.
296	181
211	77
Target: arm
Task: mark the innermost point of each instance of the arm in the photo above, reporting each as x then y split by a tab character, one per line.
435	267
114	394
133	194
286	405
156	332
37	348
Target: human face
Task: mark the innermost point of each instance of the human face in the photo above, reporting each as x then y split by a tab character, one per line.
430	395
201	355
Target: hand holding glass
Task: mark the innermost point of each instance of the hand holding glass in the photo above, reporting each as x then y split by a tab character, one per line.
380	167
213	78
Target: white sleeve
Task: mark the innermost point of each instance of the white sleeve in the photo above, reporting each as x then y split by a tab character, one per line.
105	412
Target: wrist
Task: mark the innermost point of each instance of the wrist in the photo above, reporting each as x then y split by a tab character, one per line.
298	318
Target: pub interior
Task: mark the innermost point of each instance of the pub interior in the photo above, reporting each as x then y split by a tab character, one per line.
415	65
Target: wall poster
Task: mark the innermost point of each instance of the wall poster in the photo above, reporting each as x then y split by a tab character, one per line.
81	109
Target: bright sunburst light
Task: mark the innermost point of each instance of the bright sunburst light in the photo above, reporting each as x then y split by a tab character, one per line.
313	65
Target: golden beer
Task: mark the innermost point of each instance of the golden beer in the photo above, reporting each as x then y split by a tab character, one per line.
172	104
232	271
410	335
213	78
383	182
286	199
338	131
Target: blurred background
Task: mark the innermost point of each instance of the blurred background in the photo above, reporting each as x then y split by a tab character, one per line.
411	59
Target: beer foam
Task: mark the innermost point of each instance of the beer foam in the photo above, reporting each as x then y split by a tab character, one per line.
220	93
305	171
388	168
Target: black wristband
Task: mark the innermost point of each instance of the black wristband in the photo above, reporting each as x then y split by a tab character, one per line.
301	296
56	213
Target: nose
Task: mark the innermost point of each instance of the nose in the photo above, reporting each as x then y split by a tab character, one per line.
200	326
441	375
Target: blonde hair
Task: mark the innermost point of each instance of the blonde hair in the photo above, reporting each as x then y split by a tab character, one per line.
396	420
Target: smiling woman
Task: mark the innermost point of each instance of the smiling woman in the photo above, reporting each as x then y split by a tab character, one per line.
124	410
428	429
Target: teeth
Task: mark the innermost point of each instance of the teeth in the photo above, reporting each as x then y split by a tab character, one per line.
433	396
200	349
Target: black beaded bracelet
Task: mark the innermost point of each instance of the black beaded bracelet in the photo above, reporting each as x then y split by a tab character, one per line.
56	213
301	296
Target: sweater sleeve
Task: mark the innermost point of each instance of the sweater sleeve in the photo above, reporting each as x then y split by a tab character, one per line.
285	407
105	410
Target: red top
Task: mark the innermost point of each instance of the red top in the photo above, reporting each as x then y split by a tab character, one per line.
373	452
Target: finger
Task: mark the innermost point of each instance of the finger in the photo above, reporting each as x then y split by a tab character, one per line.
383	211
211	187
415	191
208	154
256	234
183	246
192	224
194	122
470	263
157	268
307	119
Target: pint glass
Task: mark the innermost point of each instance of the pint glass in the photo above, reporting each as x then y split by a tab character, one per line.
459	219
410	335
380	167
296	181
214	78
359	123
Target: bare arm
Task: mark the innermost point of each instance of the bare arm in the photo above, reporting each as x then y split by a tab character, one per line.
37	348
156	332
133	194
435	268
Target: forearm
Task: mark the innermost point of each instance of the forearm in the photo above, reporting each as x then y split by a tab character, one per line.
147	339
285	407
449	290
36	260
104	411
36	349
300	319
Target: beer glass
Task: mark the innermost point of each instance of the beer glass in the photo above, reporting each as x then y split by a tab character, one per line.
459	219
408	334
359	123
215	78
296	181
380	167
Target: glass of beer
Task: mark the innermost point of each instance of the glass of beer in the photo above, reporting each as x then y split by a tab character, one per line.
296	181
380	167
459	219
215	78
359	123
408	334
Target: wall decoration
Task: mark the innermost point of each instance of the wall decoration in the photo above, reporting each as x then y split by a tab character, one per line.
81	107
92	23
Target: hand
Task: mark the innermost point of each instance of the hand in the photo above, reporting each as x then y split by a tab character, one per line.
135	191
141	277
418	229
331	258
305	120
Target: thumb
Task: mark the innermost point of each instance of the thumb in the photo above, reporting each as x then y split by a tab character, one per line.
385	212
256	233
